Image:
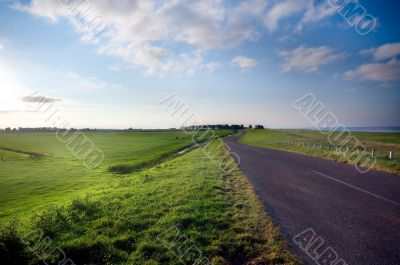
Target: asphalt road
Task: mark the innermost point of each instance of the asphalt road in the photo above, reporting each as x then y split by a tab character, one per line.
357	215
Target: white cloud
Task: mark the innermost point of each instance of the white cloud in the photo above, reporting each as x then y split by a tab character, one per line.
383	72
282	10
379	71
243	62
211	67
90	83
386	51
304	11
316	12
1	46
308	59
171	36
144	33
49	9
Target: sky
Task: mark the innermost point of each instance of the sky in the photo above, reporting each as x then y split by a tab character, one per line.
109	64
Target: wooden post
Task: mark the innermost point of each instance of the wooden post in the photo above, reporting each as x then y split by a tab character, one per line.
372	152
390	155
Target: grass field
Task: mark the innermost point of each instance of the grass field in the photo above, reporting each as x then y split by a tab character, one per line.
30	184
382	143
181	211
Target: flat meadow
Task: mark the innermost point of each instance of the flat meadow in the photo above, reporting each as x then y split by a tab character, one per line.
143	205
28	184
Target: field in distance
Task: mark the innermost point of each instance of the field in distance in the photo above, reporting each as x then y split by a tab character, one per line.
30	183
315	143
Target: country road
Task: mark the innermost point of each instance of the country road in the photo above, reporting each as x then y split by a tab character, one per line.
357	215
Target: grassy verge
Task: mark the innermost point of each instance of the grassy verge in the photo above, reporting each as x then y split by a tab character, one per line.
182	211
382	143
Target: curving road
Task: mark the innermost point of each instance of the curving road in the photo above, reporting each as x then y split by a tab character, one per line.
356	215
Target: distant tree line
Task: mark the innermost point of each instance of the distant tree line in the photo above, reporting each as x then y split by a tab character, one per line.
40	129
222	127
215	127
257	126
193	127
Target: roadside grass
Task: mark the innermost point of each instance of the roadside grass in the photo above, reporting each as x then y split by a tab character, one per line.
212	215
30	184
380	142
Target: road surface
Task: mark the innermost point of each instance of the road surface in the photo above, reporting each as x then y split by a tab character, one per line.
356	215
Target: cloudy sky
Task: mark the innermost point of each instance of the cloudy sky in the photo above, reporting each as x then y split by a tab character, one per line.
108	64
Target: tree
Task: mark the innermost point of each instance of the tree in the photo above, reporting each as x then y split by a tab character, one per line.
250	126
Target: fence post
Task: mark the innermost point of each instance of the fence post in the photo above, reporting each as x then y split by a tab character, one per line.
390	155
372	153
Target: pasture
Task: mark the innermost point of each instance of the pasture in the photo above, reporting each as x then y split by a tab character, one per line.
28	184
183	210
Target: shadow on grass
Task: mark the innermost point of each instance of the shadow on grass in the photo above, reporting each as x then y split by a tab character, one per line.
31	154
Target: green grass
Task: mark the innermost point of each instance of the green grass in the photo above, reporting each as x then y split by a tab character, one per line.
30	184
184	205
381	142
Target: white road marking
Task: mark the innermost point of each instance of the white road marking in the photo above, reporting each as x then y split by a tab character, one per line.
356	188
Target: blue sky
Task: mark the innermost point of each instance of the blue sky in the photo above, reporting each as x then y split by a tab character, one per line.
108	65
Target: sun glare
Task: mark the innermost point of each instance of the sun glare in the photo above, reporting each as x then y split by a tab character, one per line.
10	90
